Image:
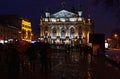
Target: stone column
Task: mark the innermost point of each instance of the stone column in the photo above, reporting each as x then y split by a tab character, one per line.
67	34
58	30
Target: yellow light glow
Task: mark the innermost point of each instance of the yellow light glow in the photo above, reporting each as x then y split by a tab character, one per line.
19	32
67	41
58	20
115	35
57	40
75	19
83	34
26	23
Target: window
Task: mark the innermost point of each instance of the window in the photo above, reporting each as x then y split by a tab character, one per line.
53	19
63	32
72	19
54	33
62	19
72	31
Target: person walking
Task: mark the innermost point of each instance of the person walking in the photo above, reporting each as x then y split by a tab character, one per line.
49	57
43	57
12	62
85	51
1	50
32	56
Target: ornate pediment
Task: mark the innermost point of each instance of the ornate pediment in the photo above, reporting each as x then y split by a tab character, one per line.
64	13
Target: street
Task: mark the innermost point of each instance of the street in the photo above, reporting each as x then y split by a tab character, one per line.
71	66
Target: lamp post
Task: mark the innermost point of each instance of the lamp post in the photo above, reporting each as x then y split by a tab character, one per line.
116	40
46	36
31	36
19	35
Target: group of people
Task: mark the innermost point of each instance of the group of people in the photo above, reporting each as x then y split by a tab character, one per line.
9	58
84	50
20	56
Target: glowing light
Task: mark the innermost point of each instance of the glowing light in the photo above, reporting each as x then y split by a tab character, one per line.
79	19
26	27
47	14
63	13
53	37
26	23
6	41
57	40
33	41
53	20
2	41
19	32
80	13
106	45
10	39
67	41
46	19
58	20
115	35
72	19
108	39
62	19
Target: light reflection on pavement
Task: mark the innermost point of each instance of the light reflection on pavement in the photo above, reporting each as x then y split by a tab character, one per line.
74	66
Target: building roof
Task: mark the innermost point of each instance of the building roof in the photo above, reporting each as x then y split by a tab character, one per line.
13	27
7	25
63	13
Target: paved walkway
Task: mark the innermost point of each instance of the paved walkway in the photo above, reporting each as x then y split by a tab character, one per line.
72	66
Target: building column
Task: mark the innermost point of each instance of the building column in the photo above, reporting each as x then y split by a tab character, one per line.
67	31
58	31
76	27
41	30
49	34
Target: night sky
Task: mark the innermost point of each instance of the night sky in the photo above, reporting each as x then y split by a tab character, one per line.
104	20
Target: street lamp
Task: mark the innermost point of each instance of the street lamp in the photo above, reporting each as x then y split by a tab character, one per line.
116	40
19	35
116	35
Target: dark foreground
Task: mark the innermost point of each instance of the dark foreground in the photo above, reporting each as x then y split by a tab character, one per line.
67	66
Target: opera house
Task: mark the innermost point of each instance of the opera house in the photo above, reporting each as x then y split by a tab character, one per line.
65	27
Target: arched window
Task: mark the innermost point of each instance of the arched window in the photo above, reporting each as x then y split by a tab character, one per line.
54	32
29	34
63	32
23	34
72	32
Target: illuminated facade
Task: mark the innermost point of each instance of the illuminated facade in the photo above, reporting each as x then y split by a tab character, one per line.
8	33
23	25
26	31
65	27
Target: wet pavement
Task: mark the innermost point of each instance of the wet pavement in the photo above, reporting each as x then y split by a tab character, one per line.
113	54
70	66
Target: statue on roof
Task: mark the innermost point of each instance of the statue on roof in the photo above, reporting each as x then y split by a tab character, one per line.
47	9
63	4
73	9
80	7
